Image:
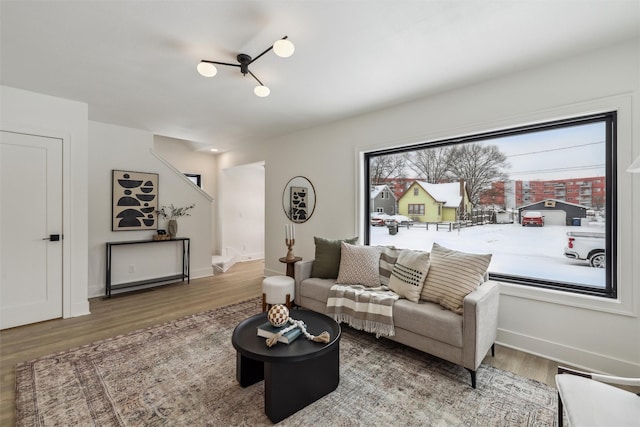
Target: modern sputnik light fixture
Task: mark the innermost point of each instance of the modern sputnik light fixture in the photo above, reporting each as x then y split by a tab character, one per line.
283	48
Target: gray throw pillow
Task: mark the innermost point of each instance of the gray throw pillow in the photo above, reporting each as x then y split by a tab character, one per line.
327	259
359	265
388	257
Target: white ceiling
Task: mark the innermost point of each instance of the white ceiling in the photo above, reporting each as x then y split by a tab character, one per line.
134	62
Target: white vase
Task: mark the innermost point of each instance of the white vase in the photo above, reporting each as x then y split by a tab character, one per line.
172	228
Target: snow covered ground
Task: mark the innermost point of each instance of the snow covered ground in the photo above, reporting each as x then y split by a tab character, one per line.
536	252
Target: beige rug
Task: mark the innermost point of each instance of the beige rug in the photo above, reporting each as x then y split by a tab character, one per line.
182	373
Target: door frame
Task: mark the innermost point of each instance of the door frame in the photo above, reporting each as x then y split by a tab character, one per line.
67	237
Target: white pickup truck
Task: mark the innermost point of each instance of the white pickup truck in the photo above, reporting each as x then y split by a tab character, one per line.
588	246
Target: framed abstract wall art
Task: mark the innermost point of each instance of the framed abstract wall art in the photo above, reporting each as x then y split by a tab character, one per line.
134	201
299	199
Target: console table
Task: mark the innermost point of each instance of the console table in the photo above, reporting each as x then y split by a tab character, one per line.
186	249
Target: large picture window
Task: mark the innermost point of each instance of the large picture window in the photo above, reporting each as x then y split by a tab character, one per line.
539	198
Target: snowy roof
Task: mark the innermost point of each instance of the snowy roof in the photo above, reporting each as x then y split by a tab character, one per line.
553	200
377	189
447	193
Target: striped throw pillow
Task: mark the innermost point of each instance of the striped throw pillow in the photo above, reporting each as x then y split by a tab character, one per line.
452	276
388	257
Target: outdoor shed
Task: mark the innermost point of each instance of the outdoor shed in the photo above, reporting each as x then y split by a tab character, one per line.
556	212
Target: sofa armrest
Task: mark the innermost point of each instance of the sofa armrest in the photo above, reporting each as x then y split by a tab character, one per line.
302	271
479	323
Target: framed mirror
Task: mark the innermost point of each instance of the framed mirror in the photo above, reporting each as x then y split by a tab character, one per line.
299	199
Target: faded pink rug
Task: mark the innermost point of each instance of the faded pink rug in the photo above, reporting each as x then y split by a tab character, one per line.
182	373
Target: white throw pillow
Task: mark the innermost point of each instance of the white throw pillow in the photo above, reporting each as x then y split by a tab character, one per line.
452	276
408	274
359	265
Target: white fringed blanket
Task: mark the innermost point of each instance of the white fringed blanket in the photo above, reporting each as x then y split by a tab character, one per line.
363	308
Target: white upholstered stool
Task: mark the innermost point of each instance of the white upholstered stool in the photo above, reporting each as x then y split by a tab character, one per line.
277	290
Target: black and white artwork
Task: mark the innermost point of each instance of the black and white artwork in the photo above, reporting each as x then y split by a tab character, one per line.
299	204
135	201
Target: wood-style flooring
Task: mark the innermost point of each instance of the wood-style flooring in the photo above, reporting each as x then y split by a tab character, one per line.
127	312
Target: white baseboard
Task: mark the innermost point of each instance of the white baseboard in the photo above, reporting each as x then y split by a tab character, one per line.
249	257
564	354
80	309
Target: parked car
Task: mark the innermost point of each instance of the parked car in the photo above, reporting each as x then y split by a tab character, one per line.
399	219
532	218
377	222
588	246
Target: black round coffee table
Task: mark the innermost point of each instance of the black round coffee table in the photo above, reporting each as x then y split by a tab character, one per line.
295	374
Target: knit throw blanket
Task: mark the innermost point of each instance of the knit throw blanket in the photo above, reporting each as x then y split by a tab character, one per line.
363	308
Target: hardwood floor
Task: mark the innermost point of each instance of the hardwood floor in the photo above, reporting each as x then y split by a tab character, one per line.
128	312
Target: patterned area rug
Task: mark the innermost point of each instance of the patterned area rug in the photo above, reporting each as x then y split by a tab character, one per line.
182	373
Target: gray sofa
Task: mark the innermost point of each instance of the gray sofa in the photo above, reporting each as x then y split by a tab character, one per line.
462	339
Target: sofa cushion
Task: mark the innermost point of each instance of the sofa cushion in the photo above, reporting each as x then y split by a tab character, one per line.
452	276
359	265
388	257
408	274
430	320
327	259
316	289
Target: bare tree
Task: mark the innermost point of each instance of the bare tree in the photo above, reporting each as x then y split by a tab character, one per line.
386	167
431	164
479	165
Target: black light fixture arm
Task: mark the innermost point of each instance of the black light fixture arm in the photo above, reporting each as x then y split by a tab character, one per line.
267	50
244	61
254	76
219	63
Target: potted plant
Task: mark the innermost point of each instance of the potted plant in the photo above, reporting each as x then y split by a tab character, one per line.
172	213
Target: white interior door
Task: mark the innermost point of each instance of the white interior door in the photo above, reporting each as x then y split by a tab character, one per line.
30	218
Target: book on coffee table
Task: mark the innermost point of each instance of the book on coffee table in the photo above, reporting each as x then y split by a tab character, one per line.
267	330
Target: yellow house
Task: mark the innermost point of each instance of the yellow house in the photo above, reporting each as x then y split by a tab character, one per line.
426	202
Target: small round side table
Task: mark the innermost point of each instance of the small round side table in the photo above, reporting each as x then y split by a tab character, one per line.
290	262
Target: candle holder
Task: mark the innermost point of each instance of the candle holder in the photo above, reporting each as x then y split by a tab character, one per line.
290	243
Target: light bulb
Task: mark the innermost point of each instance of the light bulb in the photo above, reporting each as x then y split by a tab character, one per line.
207	69
283	48
261	91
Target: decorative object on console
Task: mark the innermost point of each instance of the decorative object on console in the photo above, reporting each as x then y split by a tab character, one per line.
172	213
283	48
161	235
299	199
279	316
134	200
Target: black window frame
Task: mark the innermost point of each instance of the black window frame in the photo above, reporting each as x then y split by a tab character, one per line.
611	204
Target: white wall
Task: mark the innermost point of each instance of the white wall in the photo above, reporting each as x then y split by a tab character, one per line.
241	211
584	331
115	147
24	111
186	160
